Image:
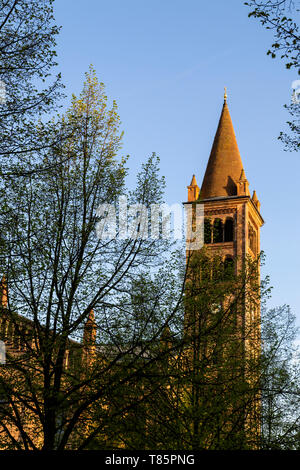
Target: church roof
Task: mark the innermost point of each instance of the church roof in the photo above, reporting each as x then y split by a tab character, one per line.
224	166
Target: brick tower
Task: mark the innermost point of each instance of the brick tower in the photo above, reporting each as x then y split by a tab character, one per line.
232	214
232	222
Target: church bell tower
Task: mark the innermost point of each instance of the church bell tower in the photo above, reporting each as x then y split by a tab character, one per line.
232	222
232	216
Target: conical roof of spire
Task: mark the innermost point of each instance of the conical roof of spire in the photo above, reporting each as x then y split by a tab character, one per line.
224	167
194	181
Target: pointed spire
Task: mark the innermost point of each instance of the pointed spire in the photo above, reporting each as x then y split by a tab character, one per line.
243	185
90	330
193	190
4	292
224	166
243	176
193	182
255	200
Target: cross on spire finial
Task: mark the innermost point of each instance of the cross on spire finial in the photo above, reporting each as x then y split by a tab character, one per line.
225	93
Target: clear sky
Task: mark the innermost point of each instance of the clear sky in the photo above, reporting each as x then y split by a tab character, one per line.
166	63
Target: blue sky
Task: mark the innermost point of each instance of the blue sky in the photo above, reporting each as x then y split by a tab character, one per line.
166	63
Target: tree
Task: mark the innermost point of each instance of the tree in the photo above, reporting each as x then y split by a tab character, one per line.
208	396
27	60
291	138
208	392
280	380
150	380
112	342
276	16
65	282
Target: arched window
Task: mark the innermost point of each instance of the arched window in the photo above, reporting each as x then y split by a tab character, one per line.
207	231
218	231
228	267
228	230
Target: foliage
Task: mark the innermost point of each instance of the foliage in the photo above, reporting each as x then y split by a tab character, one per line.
280	380
58	272
27	58
291	138
276	16
205	382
